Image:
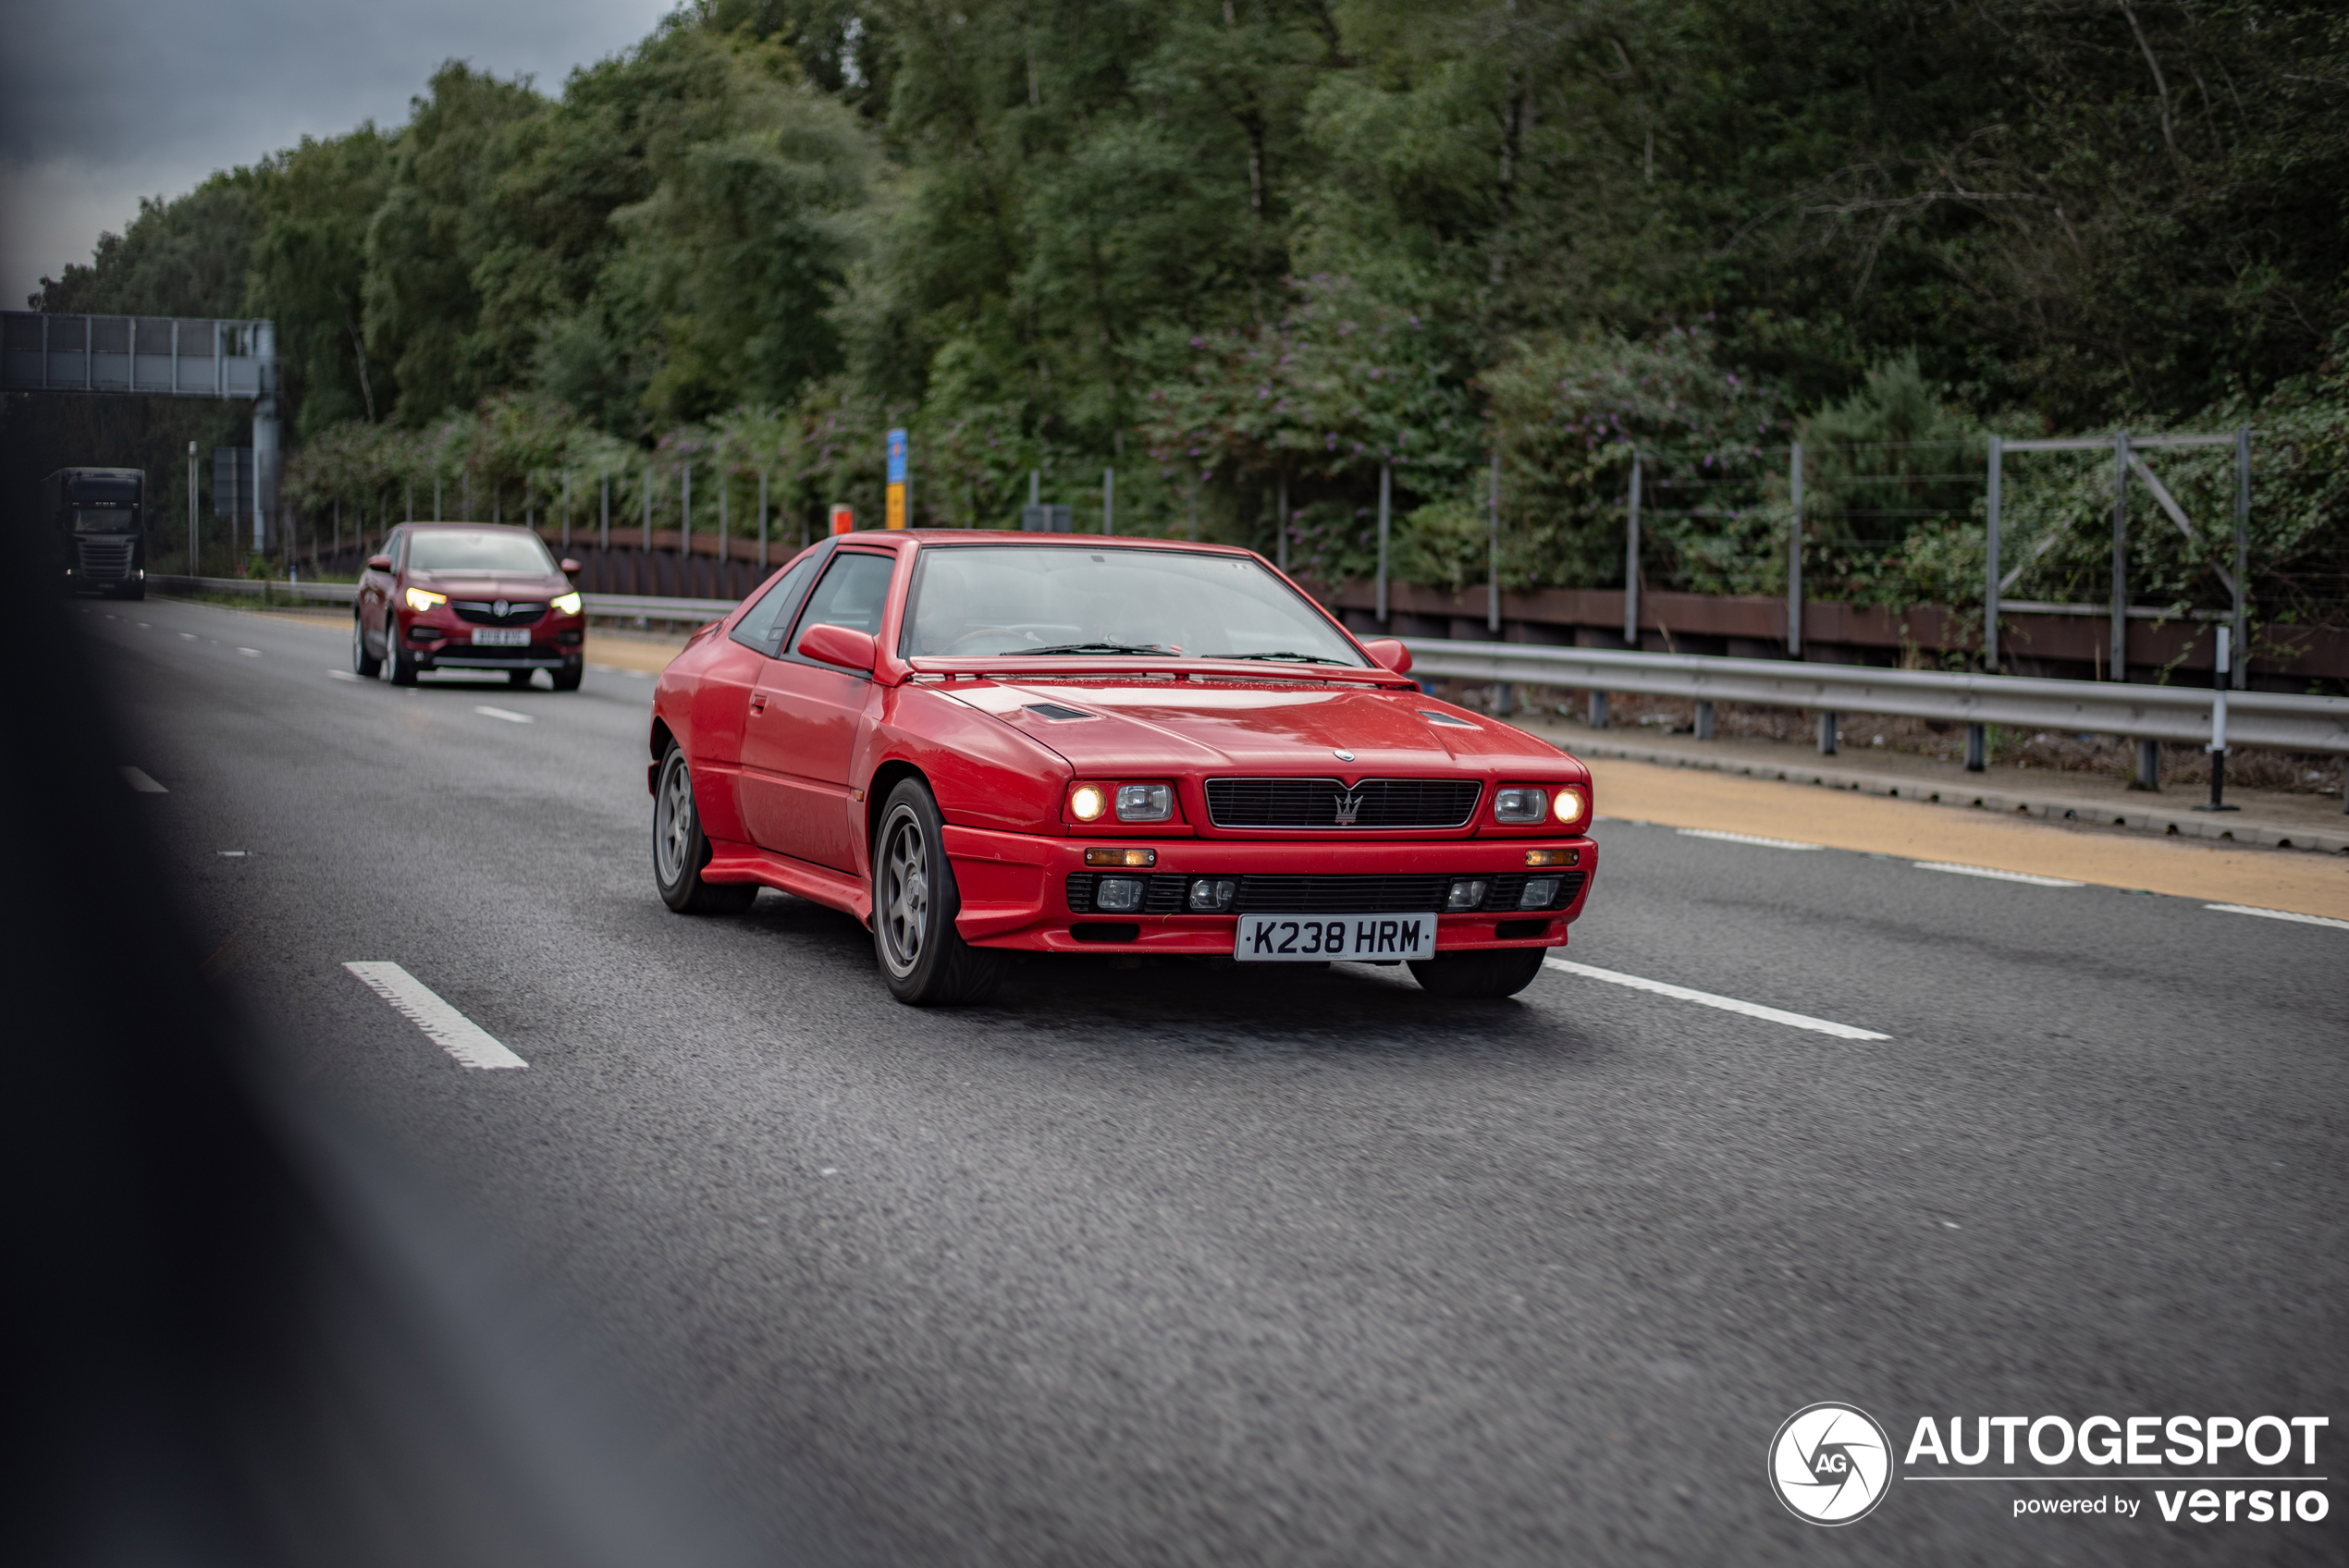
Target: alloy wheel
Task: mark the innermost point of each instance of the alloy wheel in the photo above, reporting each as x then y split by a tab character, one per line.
673	832
904	893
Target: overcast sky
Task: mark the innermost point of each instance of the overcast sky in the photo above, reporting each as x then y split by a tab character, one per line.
103	101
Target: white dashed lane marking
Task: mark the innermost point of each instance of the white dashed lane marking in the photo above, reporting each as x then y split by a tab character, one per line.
1995	876
341	675
249	653
1747	838
452	1031
509	717
138	779
2281	915
1706	999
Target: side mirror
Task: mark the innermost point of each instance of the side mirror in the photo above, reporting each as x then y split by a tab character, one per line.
378	563
1390	652
842	645
571	567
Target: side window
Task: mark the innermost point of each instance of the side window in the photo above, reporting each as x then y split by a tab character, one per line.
763	625
851	594
398	550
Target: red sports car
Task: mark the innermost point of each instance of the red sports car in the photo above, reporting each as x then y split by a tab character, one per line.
468	596
985	743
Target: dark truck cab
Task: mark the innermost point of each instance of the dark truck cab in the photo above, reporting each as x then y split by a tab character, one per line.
98	516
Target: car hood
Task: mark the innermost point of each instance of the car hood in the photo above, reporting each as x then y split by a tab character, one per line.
1187	726
489	585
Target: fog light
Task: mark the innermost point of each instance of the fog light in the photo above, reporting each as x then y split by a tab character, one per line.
1553	857
1085	803
1466	893
1121	857
1118	895
1145	802
1540	891
1213	895
1520	804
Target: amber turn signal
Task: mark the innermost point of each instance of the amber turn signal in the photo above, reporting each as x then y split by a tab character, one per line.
1553	857
1121	857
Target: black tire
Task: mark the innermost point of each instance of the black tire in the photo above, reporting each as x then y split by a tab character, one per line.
519	678
1484	972
680	850
398	663
567	678
363	664
922	956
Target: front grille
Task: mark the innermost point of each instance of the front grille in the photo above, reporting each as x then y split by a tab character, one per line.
1310	894
483	613
108	559
1320	802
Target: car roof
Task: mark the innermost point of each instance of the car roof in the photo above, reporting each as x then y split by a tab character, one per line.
1063	541
475	527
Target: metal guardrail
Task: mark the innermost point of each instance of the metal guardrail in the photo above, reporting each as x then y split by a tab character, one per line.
2106	707
647	606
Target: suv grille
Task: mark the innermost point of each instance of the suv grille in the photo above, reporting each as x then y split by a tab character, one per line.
1409	894
1317	803
482	612
106	558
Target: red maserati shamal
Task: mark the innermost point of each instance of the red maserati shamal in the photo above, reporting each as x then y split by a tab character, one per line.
979	742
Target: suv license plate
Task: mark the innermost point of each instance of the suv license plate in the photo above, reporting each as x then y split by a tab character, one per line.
1298	939
501	637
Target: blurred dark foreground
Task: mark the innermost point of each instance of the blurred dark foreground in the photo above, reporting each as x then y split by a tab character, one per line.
247	1334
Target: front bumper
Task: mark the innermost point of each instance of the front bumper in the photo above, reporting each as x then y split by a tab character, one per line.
1014	888
556	643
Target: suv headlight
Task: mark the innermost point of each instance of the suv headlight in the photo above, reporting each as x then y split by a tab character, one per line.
1520	803
1145	802
423	599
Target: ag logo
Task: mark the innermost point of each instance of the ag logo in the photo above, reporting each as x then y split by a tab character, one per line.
1831	1463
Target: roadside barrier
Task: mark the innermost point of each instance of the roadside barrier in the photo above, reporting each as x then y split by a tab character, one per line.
343	593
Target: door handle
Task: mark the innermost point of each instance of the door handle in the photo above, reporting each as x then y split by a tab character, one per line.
758	702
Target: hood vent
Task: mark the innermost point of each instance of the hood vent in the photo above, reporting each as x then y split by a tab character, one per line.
1055	711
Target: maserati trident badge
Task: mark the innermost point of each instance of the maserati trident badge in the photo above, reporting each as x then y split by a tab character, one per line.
1348	808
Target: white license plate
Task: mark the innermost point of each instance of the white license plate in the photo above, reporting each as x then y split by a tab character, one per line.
501	636
1301	938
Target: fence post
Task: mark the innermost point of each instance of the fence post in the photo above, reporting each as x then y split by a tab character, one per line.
1109	502
1280	545
1794	557
194	569
603	538
649	507
566	508
1828	719
1385	500
2243	556
2120	556
1194	508
1992	503
1631	560
1493	551
722	476
685	506
762	522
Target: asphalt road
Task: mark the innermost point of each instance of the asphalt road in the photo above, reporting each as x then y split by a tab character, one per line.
1217	1266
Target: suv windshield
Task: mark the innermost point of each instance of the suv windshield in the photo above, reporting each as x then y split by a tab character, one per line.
974	600
444	550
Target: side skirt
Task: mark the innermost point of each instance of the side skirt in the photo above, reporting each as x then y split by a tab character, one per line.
817	884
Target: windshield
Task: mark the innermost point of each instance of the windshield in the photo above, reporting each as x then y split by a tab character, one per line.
97	520
986	599
449	550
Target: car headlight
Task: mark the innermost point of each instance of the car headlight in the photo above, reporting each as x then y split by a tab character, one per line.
1119	895
1145	802
423	599
1520	803
1570	807
1086	802
1467	892
567	603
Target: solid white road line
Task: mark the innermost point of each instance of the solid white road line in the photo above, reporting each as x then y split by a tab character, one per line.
249	653
1706	999
2281	914
501	713
1747	838
451	1030
139	781
341	675
1995	875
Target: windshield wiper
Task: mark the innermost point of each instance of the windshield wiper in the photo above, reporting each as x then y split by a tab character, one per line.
1095	648
1283	657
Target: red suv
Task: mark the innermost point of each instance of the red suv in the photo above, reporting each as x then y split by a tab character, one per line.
462	596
